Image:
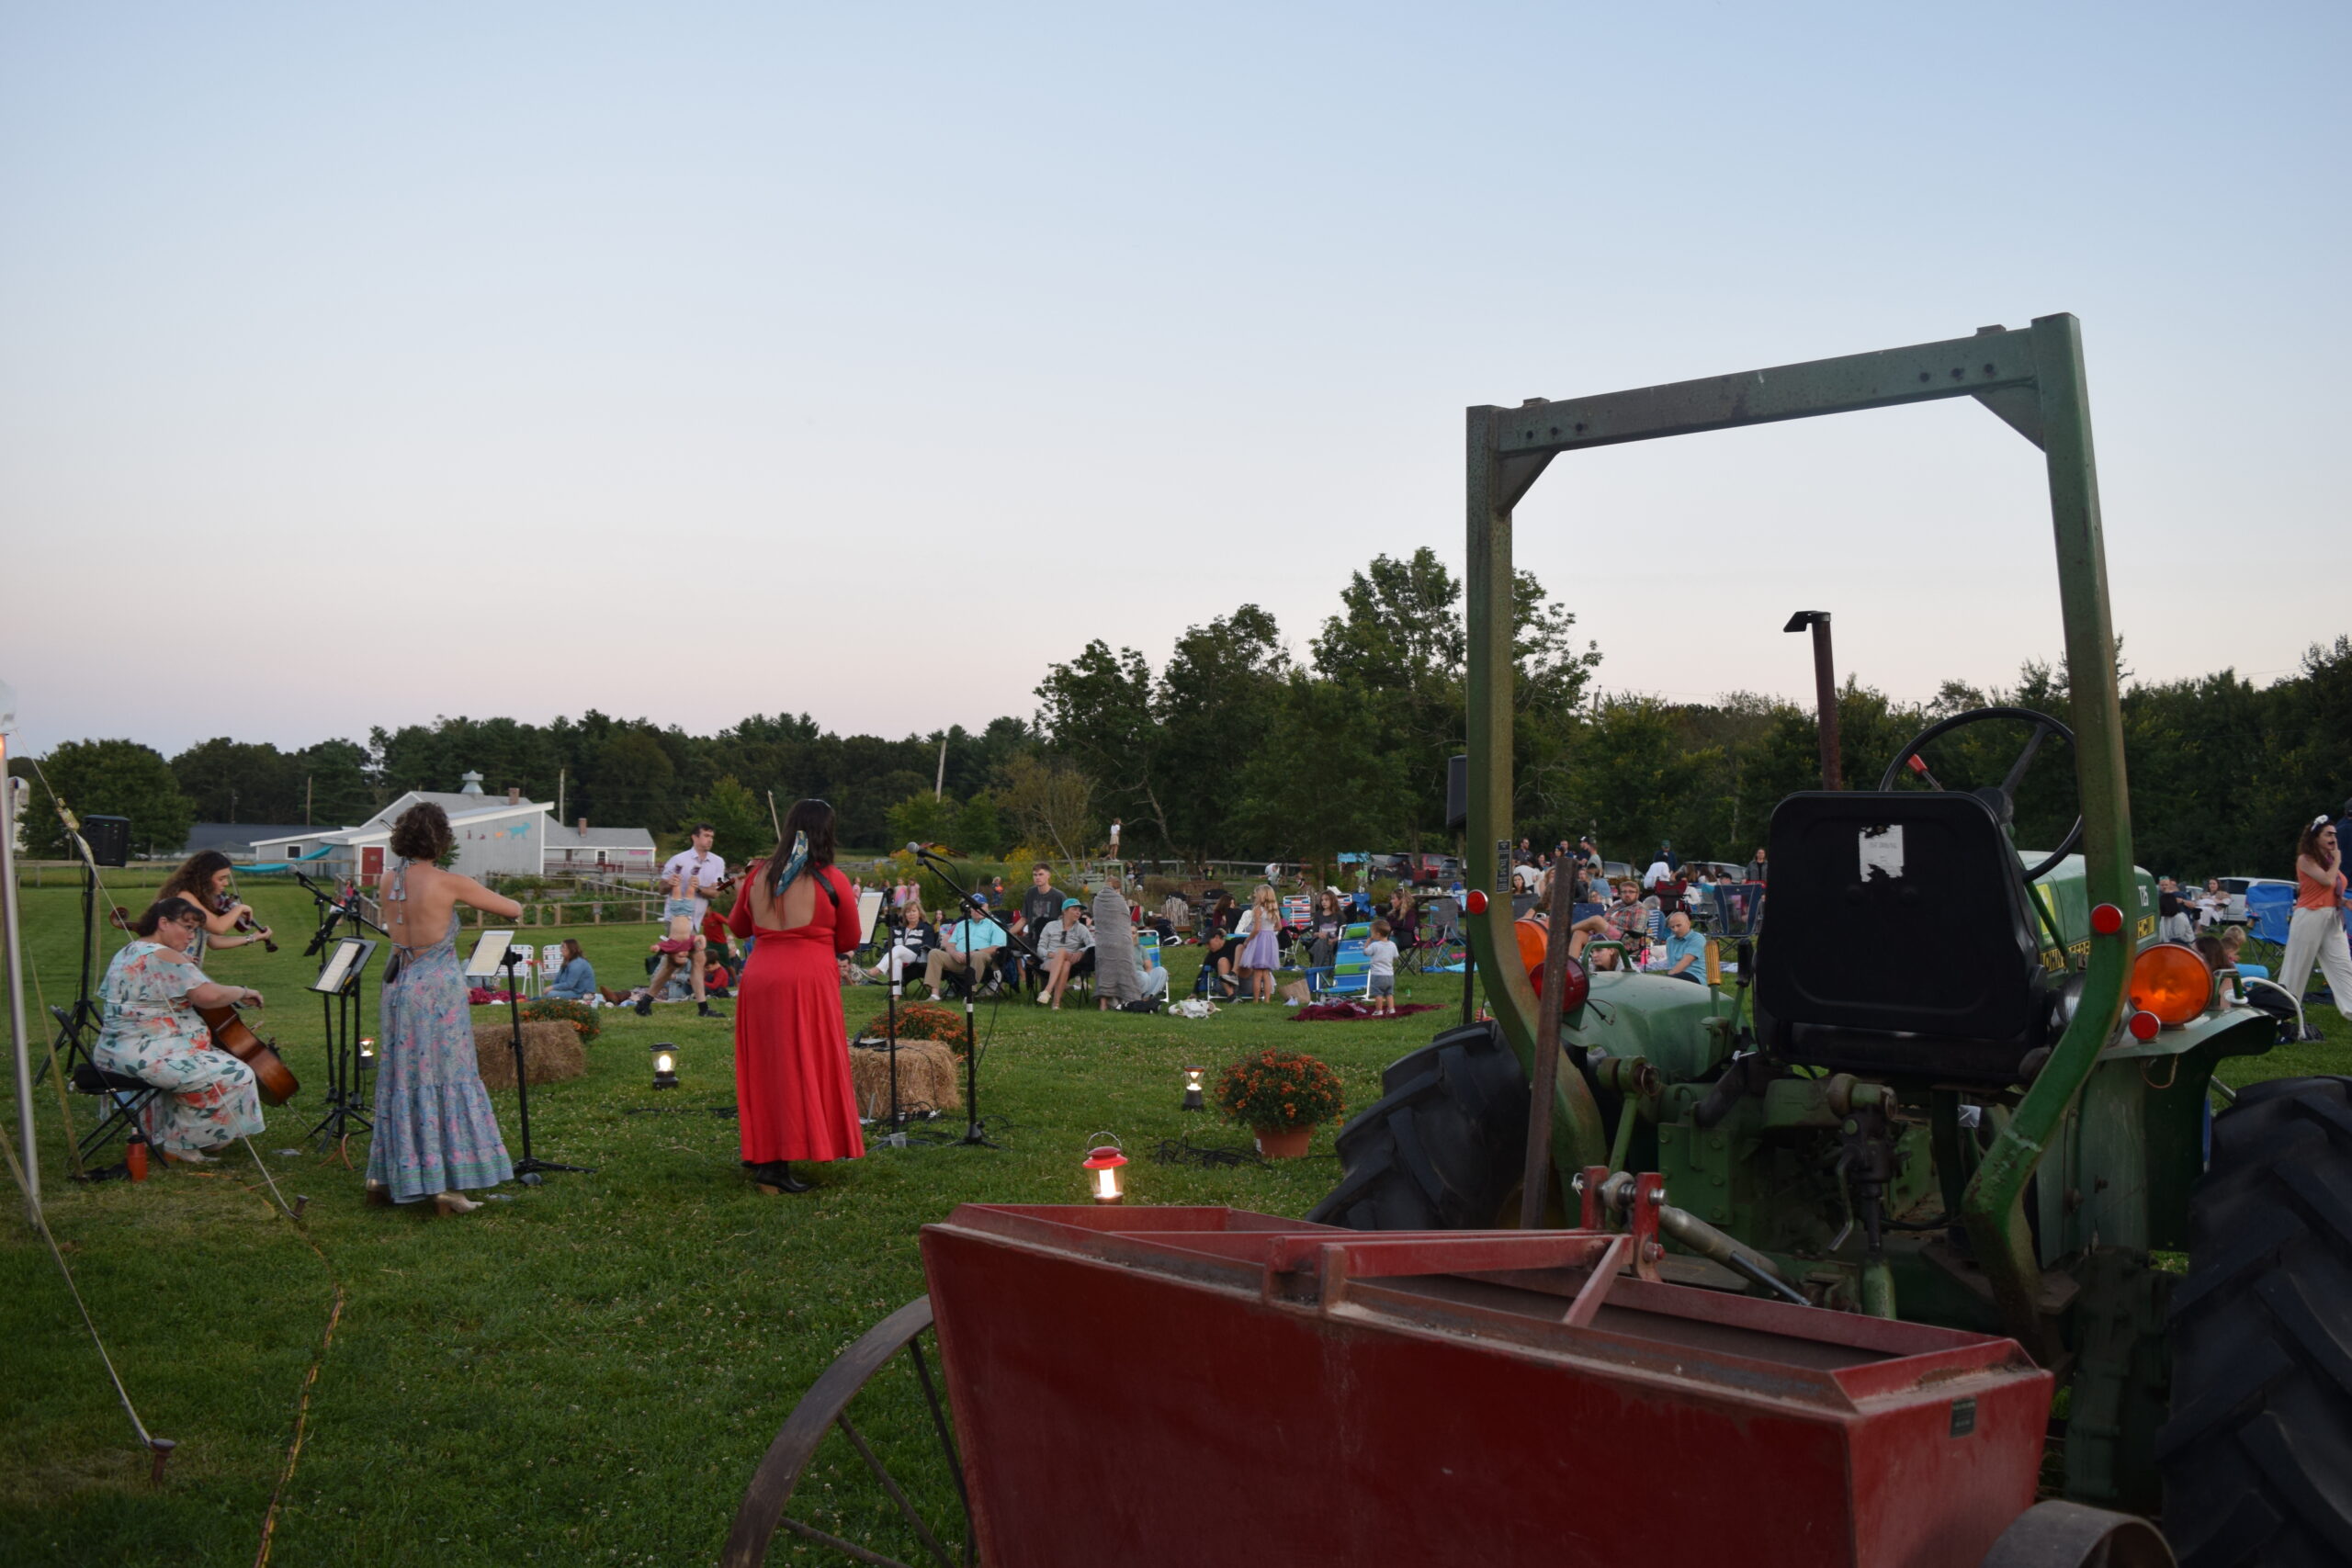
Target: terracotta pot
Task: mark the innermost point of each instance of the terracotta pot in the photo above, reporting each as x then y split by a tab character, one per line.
1275	1145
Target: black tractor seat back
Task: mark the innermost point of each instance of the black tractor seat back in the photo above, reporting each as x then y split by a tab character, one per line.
1899	940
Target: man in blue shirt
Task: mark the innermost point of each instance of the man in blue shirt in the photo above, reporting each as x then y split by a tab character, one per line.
1686	950
968	945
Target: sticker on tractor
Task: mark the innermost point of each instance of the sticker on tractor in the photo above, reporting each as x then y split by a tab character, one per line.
1882	851
1963	1416
1502	867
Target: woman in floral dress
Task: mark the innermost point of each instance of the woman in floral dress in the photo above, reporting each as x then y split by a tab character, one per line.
436	1133
152	1031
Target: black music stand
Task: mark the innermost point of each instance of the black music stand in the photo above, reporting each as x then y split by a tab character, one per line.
494	951
338	987
895	1134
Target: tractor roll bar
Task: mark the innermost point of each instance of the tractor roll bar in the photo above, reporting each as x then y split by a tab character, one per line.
2033	380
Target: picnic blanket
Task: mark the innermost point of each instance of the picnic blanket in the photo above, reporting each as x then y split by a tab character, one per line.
1333	1012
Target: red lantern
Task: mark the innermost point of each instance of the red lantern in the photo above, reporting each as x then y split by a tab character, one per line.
1103	1164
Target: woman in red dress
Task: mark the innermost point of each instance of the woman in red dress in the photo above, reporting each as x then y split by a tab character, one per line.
792	1078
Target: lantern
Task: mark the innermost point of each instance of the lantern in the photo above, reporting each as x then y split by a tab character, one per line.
367	1048
1103	1164
1192	1097
666	1066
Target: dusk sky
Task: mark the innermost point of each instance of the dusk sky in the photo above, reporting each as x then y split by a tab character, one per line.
693	361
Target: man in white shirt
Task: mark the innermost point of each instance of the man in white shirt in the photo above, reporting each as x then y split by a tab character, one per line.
689	878
1658	872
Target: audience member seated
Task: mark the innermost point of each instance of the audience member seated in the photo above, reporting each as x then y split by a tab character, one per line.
969	946
1216	978
909	936
1068	948
1686	951
576	981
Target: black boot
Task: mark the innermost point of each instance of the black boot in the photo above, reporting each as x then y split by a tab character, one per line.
705	1009
777	1177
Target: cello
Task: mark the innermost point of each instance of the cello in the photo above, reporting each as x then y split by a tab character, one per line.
228	1031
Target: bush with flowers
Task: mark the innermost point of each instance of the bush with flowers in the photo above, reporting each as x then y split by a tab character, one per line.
1282	1091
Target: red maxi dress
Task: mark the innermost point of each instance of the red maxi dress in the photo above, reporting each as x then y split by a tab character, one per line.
792	1081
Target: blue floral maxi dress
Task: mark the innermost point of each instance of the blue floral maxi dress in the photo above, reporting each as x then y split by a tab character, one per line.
152	1031
435	1129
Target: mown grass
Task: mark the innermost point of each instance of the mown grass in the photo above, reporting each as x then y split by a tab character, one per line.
587	1372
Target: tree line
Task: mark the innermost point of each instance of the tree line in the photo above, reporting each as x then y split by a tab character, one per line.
1235	747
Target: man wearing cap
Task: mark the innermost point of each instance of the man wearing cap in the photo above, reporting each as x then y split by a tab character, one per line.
1067	946
968	945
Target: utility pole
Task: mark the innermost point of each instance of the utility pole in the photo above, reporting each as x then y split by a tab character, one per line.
1825	690
308	780
939	786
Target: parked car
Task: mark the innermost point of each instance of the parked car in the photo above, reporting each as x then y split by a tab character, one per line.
1427	870
2236	887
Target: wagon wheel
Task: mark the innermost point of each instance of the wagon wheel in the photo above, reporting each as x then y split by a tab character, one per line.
824	1408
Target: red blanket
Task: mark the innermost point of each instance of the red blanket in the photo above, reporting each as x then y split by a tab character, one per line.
1322	1012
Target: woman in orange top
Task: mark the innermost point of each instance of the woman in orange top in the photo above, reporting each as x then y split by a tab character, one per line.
2316	934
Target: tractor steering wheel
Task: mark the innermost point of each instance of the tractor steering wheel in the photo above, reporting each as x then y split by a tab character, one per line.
2002	797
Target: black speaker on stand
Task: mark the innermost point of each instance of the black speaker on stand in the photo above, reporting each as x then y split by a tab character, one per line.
109	838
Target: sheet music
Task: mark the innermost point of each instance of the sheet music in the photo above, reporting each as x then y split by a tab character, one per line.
489	956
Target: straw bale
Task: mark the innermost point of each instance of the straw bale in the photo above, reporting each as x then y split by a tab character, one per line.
551	1052
926	1076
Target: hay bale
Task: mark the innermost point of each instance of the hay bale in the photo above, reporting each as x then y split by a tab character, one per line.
926	1076
551	1053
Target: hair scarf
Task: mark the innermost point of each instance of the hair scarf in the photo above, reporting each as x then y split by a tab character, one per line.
794	866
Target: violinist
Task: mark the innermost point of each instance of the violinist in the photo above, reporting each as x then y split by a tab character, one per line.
203	880
152	1031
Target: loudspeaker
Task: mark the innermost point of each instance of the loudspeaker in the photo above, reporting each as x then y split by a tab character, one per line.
1457	789
109	838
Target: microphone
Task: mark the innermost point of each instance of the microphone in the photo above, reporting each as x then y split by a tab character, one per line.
914	850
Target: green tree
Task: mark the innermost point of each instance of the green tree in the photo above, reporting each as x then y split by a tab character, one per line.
921	819
739	820
1051	803
631	782
231	781
1099	713
105	778
1322	781
1218	697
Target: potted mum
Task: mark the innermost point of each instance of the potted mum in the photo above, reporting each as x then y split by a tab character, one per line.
1281	1096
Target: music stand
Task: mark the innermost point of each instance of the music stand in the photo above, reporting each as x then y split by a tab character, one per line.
975	1128
494	951
895	1134
338	987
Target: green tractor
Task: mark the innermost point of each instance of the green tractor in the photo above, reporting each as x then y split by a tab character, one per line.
1952	1080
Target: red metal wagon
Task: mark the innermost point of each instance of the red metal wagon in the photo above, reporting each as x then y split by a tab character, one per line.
1183	1386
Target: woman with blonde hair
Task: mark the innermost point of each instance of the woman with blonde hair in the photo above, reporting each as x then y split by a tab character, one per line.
1259	930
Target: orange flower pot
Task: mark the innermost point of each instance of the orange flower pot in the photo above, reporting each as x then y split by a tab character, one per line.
1276	1145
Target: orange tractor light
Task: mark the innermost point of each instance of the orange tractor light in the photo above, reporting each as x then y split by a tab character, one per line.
2172	982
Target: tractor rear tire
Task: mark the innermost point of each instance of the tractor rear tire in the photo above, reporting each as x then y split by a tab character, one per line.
2258	1456
1441	1150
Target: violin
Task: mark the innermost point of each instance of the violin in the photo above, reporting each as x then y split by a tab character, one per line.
245	922
230	1033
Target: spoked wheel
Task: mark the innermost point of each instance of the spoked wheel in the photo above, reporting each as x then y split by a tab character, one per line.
930	1482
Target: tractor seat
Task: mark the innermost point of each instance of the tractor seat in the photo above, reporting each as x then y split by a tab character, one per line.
1899	938
89	1079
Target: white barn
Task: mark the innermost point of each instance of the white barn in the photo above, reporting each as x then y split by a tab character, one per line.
493	837
627	852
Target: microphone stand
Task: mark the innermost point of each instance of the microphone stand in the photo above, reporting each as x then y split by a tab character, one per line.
975	1128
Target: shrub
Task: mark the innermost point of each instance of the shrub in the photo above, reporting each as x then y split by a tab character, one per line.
563	1009
918	1021
1279	1090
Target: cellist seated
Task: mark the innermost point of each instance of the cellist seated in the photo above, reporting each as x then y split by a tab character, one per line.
152	1031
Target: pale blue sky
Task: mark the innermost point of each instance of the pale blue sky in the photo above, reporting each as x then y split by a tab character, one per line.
678	360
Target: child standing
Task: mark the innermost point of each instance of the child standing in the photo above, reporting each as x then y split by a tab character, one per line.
1381	985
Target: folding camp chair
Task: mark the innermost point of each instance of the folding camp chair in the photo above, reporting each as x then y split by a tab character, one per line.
1350	972
527	967
123	1096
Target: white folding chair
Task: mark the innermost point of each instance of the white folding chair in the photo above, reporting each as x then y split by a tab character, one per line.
526	968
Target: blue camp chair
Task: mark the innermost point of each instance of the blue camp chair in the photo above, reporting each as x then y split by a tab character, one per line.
1350	972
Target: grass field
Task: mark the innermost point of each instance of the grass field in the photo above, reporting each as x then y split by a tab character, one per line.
589	1372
